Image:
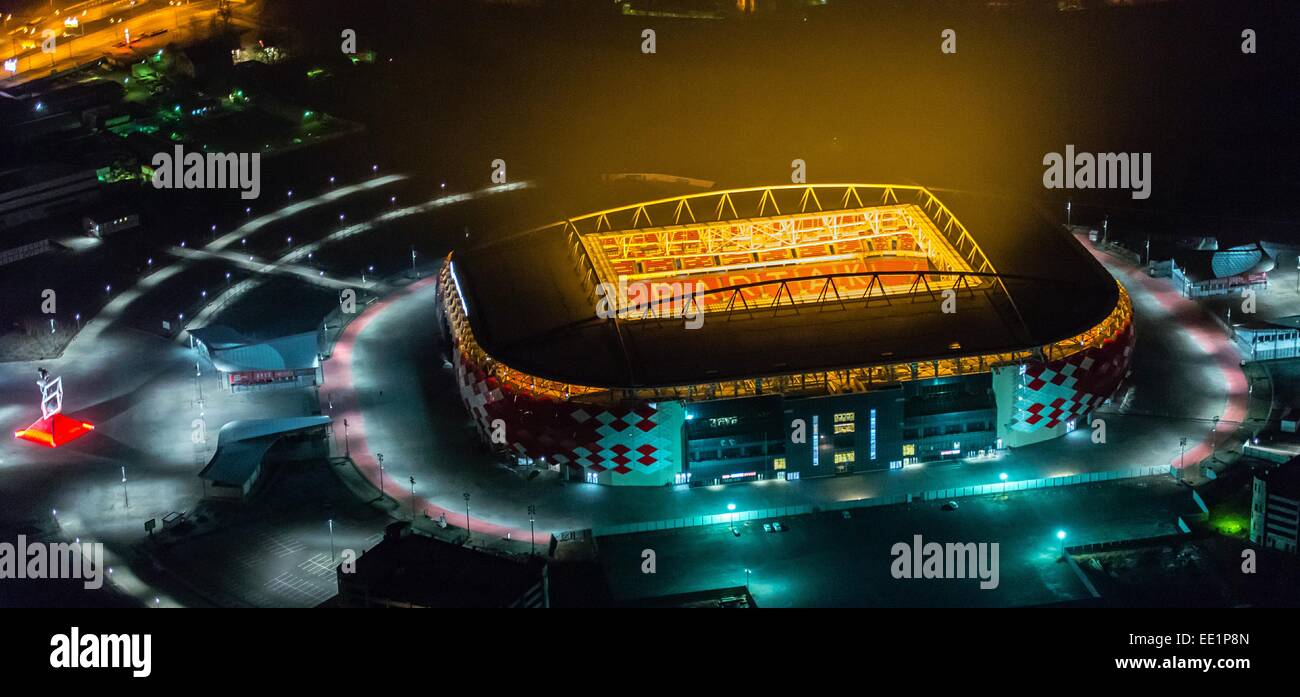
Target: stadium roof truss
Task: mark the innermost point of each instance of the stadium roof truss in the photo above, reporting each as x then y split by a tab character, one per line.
776	245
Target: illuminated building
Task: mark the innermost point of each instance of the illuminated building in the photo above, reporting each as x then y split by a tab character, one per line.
248	365
844	328
1275	506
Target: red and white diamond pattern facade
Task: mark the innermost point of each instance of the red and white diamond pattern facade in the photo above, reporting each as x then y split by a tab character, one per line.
637	444
1050	394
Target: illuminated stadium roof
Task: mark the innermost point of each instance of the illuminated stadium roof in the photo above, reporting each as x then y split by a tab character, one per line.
801	246
805	289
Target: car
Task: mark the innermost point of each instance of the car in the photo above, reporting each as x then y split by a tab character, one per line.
950	506
778	527
735	531
767	527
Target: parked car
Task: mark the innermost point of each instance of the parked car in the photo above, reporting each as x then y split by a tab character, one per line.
950	506
778	527
767	527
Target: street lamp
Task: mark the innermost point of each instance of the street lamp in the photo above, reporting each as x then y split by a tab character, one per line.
1060	535
380	456
1003	476
412	500
1182	451
468	534
746	580
1067	213
731	508
331	539
125	499
532	536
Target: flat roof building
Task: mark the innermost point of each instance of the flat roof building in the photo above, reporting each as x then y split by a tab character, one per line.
248	365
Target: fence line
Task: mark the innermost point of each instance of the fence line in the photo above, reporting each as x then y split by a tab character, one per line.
933	495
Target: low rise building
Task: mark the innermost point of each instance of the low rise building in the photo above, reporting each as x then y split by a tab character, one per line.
1275	506
247	364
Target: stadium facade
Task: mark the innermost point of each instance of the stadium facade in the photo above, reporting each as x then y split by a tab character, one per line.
845	328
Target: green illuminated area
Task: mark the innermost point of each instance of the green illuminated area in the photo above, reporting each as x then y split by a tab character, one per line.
235	121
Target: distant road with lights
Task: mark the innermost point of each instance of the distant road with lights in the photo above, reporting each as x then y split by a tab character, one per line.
102	29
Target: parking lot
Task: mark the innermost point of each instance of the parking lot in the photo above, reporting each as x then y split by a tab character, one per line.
826	559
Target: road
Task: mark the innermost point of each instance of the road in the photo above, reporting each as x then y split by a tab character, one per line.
99	30
149	408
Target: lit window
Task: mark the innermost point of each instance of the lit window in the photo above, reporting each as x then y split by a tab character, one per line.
909	449
844	456
778	464
845	417
845	428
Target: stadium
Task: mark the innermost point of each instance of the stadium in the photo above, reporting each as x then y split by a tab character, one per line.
790	331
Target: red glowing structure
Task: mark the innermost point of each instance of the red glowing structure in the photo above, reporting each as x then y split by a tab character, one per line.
53	429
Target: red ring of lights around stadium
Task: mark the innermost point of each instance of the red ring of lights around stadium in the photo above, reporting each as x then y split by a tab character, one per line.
804	291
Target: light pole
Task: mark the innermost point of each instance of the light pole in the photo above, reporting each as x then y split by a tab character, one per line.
1060	535
381	473
746	580
468	534
125	498
532	536
412	500
1182	451
1067	214
331	539
731	508
347	447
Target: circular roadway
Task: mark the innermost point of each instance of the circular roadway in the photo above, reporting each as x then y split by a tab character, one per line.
400	399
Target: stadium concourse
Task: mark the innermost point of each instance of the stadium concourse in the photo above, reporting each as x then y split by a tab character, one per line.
1185	374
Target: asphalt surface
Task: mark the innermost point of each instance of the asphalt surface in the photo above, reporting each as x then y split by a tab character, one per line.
827	560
